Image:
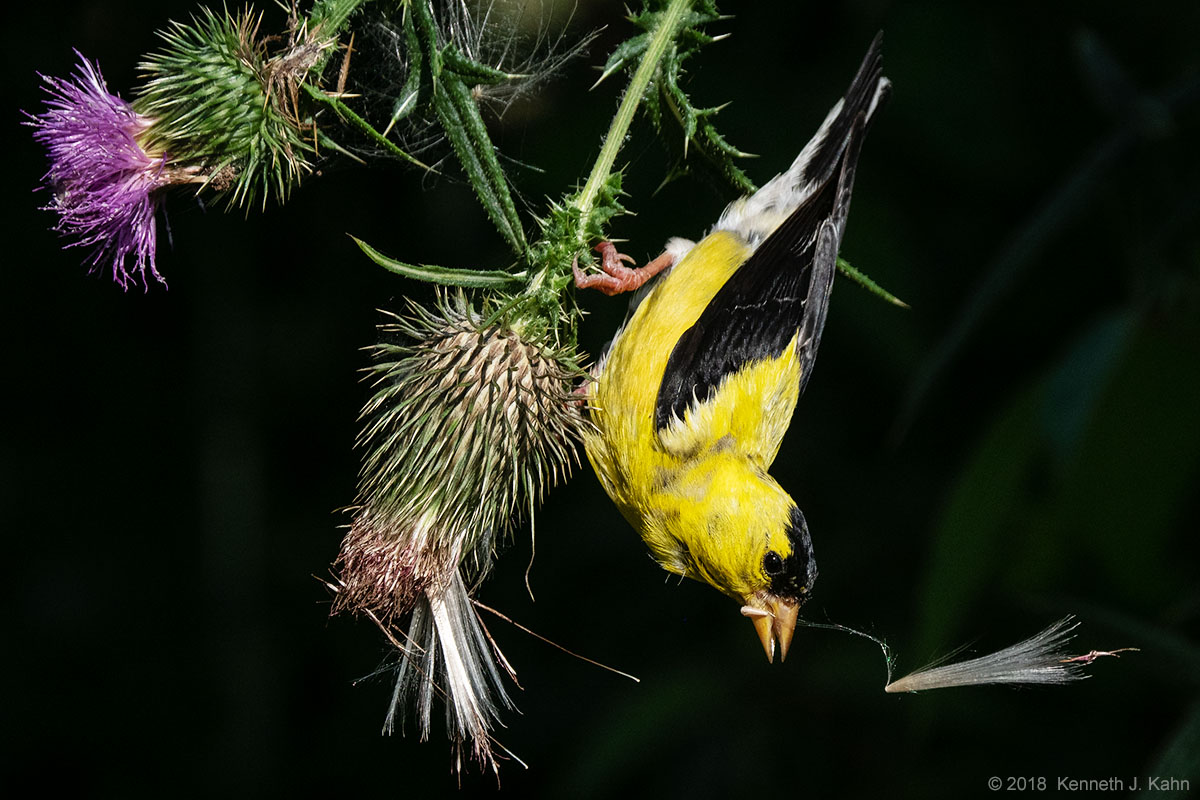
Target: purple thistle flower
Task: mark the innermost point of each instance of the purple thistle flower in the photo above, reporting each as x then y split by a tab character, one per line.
106	187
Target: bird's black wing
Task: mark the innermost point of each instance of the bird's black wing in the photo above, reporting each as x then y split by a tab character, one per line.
784	286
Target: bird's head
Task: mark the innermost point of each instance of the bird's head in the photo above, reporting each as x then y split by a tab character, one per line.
787	573
748	539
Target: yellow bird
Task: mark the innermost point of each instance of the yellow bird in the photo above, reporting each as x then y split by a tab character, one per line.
693	397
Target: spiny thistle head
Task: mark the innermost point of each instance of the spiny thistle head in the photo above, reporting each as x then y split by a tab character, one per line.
468	426
220	102
106	182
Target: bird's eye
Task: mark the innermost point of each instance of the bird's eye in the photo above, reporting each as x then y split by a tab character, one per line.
772	563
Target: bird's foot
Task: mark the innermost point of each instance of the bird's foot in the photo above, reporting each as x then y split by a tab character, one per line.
617	277
579	396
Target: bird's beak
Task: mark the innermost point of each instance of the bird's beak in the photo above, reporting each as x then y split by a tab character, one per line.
775	619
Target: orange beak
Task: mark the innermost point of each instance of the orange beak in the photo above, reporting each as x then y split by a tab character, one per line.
775	620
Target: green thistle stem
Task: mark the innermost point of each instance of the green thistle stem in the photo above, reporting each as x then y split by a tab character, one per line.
669	26
571	225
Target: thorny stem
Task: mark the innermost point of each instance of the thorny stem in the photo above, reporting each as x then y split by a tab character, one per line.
664	35
668	27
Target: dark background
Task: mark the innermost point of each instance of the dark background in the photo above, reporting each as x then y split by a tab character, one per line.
172	462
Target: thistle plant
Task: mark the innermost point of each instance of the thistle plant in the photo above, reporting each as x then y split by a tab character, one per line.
219	110
469	424
473	418
473	415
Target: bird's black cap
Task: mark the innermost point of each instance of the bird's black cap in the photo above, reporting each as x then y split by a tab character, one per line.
795	575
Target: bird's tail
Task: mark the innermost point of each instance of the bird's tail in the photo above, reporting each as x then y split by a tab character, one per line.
754	218
449	652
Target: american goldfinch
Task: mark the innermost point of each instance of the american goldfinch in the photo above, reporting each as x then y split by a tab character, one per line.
692	399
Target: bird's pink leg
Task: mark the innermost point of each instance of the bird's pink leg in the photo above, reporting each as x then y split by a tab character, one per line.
617	277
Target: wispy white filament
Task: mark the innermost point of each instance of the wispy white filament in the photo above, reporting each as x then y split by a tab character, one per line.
1040	659
448	652
472	678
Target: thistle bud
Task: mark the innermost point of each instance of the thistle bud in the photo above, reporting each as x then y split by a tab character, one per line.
221	103
218	111
468	425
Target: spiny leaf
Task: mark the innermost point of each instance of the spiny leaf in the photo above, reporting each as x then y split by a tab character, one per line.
445	276
460	119
871	286
473	71
348	114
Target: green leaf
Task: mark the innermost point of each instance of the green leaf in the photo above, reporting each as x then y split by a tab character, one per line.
410	92
345	112
459	115
444	276
667	104
473	71
331	15
626	52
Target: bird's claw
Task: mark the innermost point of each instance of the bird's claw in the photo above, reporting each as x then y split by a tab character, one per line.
581	394
617	277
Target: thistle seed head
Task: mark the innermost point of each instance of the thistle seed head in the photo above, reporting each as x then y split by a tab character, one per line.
468	426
